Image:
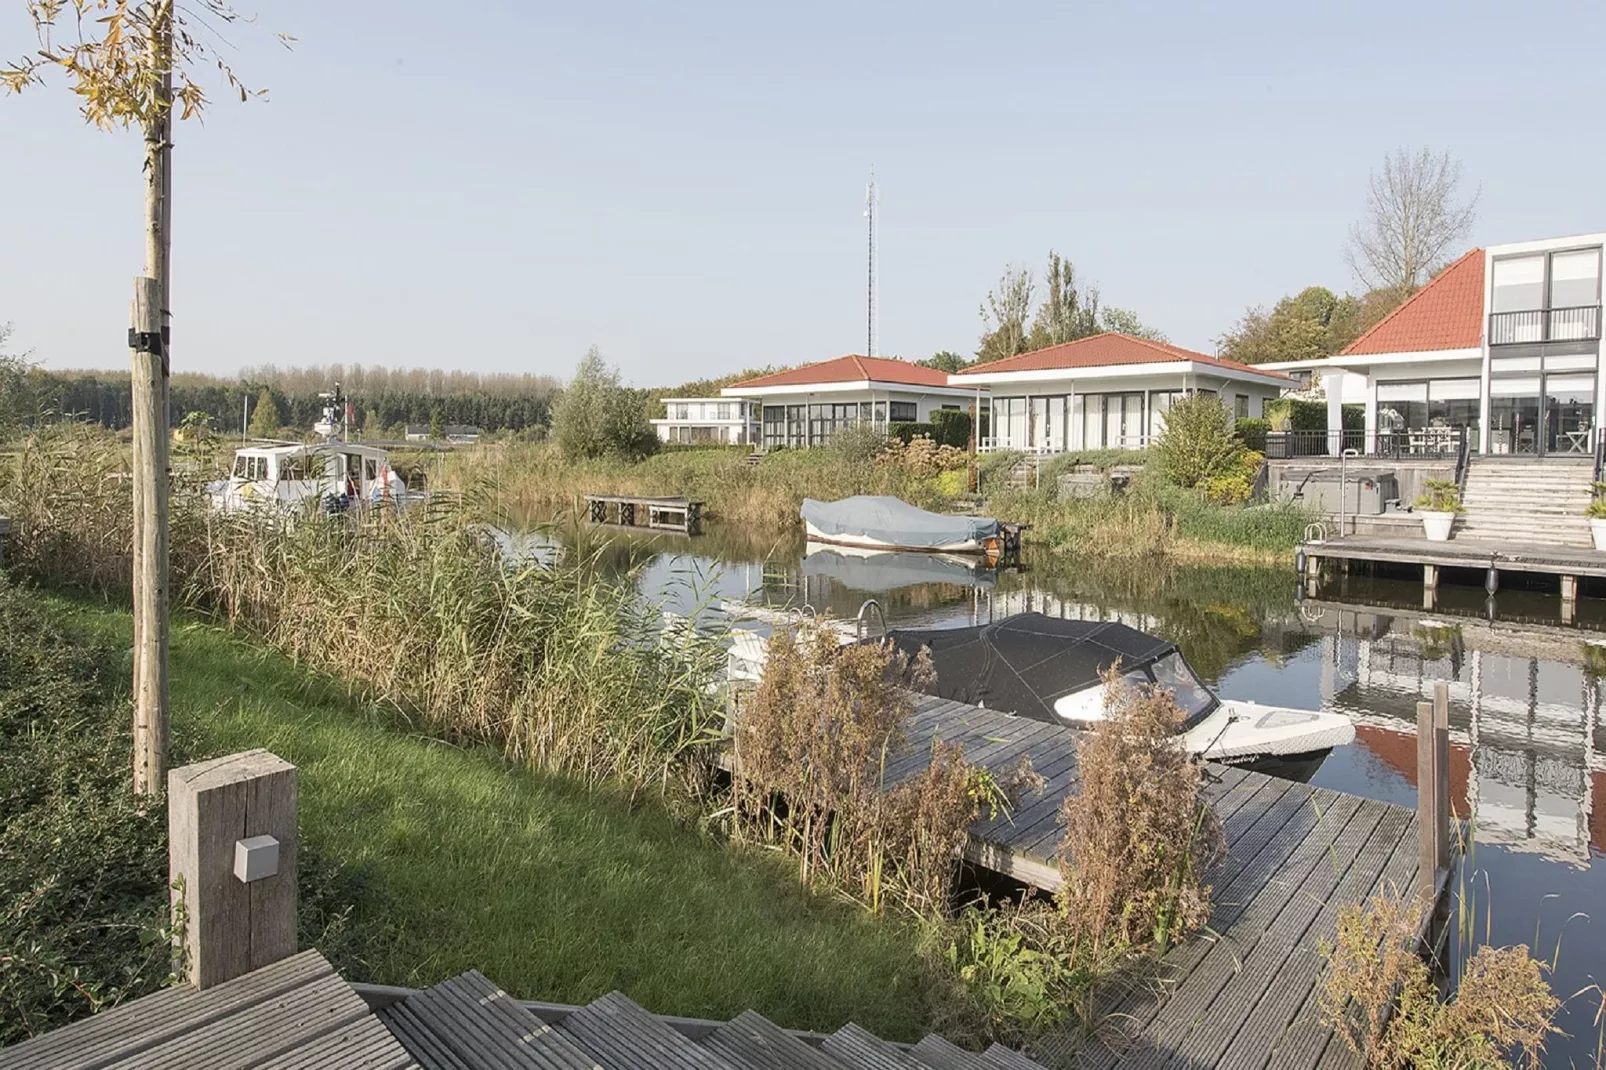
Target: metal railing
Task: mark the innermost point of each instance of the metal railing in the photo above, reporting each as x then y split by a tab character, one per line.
993	445
1418	443
1577	323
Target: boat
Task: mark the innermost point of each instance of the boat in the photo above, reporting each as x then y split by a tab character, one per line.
881	571
332	476
879	522
1049	669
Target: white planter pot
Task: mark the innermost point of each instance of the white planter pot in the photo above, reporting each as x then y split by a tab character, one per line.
1436	525
1597	531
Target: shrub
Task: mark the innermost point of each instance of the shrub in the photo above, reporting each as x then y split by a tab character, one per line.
1294	414
1198	442
1252	433
904	430
1139	836
1235	484
924	457
1381	998
1440	496
596	416
857	444
952	428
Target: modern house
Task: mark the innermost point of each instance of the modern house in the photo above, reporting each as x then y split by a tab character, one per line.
721	421
456	434
1105	391
805	406
1502	347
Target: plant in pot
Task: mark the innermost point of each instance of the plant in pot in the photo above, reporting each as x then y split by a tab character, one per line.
1597	516
1438	505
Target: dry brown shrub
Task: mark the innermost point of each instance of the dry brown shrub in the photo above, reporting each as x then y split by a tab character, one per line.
1380	996
921	456
1139	836
811	753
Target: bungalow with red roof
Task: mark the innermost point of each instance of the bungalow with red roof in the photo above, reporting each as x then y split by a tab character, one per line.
805	406
1502	348
1106	391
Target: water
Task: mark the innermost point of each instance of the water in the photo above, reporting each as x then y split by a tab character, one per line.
1528	746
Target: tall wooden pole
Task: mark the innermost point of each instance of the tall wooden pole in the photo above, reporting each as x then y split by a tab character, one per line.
147	342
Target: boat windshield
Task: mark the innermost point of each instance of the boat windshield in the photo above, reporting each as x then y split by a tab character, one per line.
253	468
1176	675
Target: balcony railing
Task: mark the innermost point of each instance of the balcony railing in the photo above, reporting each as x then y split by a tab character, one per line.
1418	443
1579	323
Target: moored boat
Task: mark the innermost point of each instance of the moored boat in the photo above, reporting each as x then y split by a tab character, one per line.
331	475
879	522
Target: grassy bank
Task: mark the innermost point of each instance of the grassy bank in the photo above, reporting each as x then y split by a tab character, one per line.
438	858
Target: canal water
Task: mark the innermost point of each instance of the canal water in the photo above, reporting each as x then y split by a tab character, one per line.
1528	743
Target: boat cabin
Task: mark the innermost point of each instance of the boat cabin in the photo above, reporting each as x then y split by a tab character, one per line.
331	472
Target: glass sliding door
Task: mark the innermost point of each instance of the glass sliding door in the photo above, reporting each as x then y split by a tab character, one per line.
1569	414
1514	411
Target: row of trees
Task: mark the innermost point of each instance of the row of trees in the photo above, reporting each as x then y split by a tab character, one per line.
1415	220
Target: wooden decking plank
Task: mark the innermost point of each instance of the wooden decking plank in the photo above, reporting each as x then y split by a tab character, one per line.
622	1035
131	1027
363	1045
998	741
1215	1004
511	1029
1058	771
859	1048
429	1050
999	1057
1265	870
940	1054
751	1040
1271	1018
275	1025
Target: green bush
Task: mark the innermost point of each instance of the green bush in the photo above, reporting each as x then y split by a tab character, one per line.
904	430
1252	433
1293	414
952	428
597	416
1198	443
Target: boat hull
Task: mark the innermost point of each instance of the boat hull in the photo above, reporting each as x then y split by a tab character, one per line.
870	542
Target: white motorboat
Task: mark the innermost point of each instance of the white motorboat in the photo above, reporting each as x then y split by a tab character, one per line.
884	523
329	475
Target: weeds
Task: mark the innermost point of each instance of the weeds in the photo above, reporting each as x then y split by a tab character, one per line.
1380	996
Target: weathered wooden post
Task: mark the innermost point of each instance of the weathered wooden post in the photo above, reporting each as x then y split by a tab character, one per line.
150	537
1433	789
232	861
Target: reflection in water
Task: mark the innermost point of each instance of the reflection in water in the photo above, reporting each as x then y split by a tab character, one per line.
1528	747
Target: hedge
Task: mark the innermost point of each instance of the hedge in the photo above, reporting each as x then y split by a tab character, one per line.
1252	432
952	427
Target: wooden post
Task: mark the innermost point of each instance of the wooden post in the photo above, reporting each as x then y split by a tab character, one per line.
1430	586
1569	597
1433	789
234	902
150	540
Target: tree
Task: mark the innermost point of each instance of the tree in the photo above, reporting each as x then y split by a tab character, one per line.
597	415
129	63
373	425
1413	220
437	424
1198	443
1006	309
13	372
1067	313
945	361
1310	324
1125	321
266	421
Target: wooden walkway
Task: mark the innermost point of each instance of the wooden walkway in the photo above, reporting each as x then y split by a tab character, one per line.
1537	557
1243	995
639	511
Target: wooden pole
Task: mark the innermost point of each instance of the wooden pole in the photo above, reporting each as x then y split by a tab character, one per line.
1441	769
1426	799
148	341
232	850
150	544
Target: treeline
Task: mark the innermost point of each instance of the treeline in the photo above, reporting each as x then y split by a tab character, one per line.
381	398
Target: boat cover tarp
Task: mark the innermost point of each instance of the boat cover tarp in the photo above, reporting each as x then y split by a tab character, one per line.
893	569
895	522
1023	663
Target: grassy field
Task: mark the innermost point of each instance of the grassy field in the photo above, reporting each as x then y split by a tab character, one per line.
453	858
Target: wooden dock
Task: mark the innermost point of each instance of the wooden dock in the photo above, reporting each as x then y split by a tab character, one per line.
635	511
1569	563
1243	994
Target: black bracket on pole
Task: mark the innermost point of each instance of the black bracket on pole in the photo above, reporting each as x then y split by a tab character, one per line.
146	341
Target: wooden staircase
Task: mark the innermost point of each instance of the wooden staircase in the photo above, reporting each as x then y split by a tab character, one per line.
1526	501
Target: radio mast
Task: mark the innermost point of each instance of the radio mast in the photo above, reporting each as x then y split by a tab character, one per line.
869	214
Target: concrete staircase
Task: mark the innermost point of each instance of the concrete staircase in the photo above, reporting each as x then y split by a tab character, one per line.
1526	501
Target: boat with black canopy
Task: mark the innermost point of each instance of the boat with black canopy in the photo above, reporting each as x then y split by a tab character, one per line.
1049	669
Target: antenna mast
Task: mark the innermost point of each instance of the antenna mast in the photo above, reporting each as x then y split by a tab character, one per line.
869	214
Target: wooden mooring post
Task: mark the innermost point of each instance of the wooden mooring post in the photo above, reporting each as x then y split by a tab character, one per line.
232	863
1433	789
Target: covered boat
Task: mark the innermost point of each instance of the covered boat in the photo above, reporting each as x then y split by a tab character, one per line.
1050	669
887	523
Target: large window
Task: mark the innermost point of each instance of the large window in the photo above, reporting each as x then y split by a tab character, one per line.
1428	411
1519	284
904	412
1112	421
1545	297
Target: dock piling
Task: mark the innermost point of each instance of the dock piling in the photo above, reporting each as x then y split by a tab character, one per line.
1433	789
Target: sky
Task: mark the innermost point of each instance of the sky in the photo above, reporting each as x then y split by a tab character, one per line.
497	186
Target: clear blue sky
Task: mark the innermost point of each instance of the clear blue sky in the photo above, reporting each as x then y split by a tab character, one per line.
682	184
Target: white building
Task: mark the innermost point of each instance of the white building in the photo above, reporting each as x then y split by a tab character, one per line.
723	421
1106	391
1501	348
804	406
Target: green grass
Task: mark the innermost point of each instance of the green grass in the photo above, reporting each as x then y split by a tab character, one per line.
451	859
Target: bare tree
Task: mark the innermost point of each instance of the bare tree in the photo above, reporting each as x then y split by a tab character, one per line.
1069	312
1006	311
1413	220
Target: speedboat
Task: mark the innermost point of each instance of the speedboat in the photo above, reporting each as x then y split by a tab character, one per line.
878	522
330	475
1049	669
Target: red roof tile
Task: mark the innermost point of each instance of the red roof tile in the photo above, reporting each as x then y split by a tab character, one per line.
1447	313
850	369
1105	350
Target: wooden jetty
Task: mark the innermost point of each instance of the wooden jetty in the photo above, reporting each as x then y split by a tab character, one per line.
1568	563
1243	995
636	511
